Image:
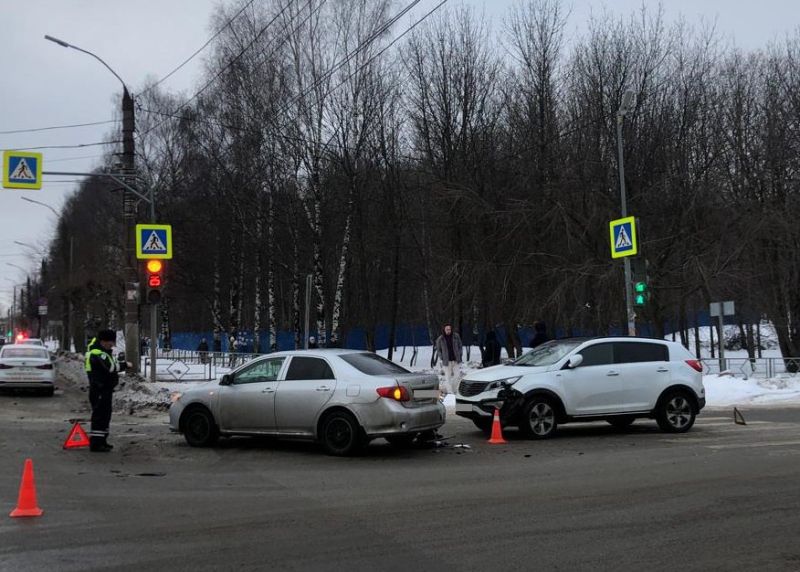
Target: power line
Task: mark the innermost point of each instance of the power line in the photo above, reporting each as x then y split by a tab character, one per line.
74	158
200	49
53	127
77	146
328	74
229	64
359	48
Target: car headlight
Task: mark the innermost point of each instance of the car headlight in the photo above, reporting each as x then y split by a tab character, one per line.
175	396
504	381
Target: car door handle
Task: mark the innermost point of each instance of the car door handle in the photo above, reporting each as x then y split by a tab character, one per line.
612	373
662	370
323	388
268	390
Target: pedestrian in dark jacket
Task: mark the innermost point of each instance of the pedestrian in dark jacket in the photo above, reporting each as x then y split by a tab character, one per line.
103	372
539	335
202	347
448	347
491	350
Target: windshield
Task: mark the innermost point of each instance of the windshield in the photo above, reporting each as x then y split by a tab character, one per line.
373	364
11	352
548	353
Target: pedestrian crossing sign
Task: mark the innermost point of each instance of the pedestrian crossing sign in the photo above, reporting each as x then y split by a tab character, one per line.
624	241
22	170
153	241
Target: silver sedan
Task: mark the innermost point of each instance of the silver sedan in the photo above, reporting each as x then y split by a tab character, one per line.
341	398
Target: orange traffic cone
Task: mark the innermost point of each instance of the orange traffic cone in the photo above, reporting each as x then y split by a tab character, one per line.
27	505
497	430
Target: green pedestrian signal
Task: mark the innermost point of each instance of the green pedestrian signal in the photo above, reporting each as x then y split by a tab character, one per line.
641	293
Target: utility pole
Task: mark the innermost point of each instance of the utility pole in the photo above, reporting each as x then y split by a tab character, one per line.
627	103
128	211
129	215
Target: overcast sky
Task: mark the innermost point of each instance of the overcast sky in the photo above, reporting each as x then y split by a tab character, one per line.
45	84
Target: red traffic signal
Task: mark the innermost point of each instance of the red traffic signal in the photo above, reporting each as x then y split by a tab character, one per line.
154	280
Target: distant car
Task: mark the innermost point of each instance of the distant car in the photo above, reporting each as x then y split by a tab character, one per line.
617	380
27	367
30	342
340	398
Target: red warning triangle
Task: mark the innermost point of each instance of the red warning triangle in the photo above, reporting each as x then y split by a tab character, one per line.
77	438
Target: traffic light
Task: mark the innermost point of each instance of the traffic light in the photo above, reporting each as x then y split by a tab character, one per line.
640	293
155	280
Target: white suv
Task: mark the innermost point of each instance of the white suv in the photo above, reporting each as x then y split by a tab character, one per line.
610	379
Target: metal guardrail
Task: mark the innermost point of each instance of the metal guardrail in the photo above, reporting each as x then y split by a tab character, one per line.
756	367
192	365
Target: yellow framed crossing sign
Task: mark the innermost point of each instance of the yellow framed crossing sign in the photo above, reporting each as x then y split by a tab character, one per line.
624	241
22	170
153	241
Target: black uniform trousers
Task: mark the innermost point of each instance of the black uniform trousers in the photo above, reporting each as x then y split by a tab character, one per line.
100	400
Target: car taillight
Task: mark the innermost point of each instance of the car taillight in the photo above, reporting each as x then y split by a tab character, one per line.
396	392
695	364
4	366
45	366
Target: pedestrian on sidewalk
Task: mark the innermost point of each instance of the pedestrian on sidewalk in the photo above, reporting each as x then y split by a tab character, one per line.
540	334
448	347
491	350
202	348
103	372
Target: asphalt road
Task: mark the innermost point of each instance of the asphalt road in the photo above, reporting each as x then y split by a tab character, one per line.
722	497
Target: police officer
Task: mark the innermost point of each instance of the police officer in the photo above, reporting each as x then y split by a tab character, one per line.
103	371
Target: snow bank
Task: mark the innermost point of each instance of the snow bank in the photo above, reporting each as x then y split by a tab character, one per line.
725	390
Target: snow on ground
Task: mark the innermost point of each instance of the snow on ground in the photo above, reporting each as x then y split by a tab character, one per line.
726	391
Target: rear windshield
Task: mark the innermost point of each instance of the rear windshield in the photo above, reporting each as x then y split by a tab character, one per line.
31	342
373	364
12	352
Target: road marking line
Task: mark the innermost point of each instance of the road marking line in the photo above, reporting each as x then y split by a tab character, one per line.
730	422
759	444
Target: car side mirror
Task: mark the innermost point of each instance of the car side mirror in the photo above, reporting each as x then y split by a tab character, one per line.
226	380
575	361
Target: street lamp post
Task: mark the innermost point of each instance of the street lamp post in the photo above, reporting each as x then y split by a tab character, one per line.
628	99
66	328
128	211
14	303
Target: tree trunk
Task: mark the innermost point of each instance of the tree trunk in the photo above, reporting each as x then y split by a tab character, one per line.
271	310
257	278
337	298
395	297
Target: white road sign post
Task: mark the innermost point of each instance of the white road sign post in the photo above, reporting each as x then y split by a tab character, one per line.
720	310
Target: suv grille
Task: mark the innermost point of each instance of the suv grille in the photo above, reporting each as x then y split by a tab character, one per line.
470	388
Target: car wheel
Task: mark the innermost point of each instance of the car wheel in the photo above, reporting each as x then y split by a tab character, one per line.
622	421
539	419
341	434
199	428
402	441
484	425
675	413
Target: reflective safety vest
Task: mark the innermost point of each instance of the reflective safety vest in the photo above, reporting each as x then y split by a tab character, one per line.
112	366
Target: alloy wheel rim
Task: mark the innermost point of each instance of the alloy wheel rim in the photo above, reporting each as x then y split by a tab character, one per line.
542	419
339	433
679	412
